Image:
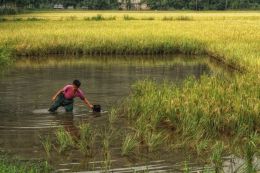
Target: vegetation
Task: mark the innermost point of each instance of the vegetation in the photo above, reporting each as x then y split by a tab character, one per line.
64	139
87	139
213	115
9	164
230	37
153	4
47	145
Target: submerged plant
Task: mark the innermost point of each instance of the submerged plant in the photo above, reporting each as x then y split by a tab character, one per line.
64	139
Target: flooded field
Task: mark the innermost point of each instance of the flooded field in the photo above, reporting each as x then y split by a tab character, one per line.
26	92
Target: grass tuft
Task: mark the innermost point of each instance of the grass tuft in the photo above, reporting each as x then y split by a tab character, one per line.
64	140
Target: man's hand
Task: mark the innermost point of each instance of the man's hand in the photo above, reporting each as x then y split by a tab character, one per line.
53	98
91	106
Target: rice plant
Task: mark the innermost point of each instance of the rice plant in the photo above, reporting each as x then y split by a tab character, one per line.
63	139
129	144
216	157
166	18
154	140
113	115
106	152
47	145
127	17
87	139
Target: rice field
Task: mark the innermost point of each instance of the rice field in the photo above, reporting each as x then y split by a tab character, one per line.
213	116
232	37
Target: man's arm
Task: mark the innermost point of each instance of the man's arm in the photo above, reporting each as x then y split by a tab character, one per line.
87	103
54	97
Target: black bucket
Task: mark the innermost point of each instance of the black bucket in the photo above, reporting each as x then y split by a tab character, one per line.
96	108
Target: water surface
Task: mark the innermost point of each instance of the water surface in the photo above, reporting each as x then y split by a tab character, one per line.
26	92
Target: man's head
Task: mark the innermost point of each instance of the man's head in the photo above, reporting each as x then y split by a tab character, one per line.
76	83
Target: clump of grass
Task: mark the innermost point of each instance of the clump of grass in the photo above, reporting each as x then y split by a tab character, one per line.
129	144
187	18
47	145
216	157
249	150
127	17
154	140
17	19
186	167
167	18
147	18
64	140
3	19
106	151
5	56
34	19
98	17
87	139
113	115
10	164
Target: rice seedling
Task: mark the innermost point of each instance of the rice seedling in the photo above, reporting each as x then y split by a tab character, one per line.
216	157
186	167
64	140
87	139
113	115
129	144
5	56
47	145
154	140
106	152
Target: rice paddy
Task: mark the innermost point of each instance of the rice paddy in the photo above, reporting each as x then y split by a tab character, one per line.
232	37
212	116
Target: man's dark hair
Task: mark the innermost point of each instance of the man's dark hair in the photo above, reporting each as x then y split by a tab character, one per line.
76	83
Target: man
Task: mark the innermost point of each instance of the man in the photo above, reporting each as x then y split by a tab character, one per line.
65	96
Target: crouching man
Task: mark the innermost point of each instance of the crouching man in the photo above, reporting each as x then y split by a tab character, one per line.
65	96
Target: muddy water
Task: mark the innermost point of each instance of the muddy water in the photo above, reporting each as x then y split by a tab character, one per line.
25	97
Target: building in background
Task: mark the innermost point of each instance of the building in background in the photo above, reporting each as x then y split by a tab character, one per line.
132	5
58	6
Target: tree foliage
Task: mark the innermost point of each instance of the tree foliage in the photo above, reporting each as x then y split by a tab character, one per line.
153	4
